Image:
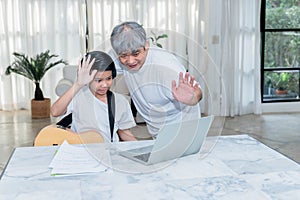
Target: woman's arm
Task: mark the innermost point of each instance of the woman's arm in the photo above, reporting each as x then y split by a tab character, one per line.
126	135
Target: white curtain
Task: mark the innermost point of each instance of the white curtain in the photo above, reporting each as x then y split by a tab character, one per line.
177	18
183	21
30	27
218	41
240	56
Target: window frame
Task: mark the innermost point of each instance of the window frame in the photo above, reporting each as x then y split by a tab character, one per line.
263	31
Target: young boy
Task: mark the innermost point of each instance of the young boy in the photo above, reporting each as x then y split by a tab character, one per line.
88	103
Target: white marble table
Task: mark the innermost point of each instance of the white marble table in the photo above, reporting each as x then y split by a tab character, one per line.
237	167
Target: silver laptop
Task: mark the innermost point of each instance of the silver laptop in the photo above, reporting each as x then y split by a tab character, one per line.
173	141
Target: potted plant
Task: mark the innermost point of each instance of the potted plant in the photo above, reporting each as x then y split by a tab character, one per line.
154	37
34	68
280	82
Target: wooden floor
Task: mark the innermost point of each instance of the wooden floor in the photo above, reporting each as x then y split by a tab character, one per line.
278	131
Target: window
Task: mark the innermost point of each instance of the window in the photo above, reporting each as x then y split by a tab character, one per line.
280	32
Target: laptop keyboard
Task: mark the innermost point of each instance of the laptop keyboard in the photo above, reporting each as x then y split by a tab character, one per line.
140	150
144	157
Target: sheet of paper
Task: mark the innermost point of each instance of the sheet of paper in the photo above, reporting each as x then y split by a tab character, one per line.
70	159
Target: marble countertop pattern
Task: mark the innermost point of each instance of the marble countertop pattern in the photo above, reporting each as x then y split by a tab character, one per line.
237	167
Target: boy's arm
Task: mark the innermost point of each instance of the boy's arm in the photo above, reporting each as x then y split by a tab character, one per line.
84	77
60	105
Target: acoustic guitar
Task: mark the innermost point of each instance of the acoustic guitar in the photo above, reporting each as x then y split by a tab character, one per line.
52	136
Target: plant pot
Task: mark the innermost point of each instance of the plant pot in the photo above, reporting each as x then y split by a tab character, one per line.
281	92
40	109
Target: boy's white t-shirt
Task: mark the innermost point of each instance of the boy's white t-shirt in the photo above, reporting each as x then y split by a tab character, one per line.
89	113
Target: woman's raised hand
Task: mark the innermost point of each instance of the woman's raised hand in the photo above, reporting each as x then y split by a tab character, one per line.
187	91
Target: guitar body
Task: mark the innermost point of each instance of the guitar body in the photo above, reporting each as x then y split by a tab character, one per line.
52	136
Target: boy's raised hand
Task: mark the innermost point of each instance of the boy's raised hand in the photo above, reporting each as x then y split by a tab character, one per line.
84	76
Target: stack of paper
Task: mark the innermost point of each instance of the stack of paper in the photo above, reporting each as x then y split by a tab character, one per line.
70	159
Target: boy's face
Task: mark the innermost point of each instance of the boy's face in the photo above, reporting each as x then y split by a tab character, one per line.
101	83
134	60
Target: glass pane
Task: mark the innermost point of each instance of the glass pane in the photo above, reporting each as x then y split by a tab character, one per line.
282	49
281	14
281	85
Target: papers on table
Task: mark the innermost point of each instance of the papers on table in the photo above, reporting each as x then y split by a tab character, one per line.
70	159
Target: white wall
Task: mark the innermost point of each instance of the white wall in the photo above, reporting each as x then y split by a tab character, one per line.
281	107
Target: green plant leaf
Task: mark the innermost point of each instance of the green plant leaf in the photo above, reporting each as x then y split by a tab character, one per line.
33	68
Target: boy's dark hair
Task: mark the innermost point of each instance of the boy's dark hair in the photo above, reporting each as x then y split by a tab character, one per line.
103	62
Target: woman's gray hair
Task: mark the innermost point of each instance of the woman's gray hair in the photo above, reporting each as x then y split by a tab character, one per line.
128	37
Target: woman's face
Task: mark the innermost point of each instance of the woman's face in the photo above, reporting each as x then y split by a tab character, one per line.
135	59
101	83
